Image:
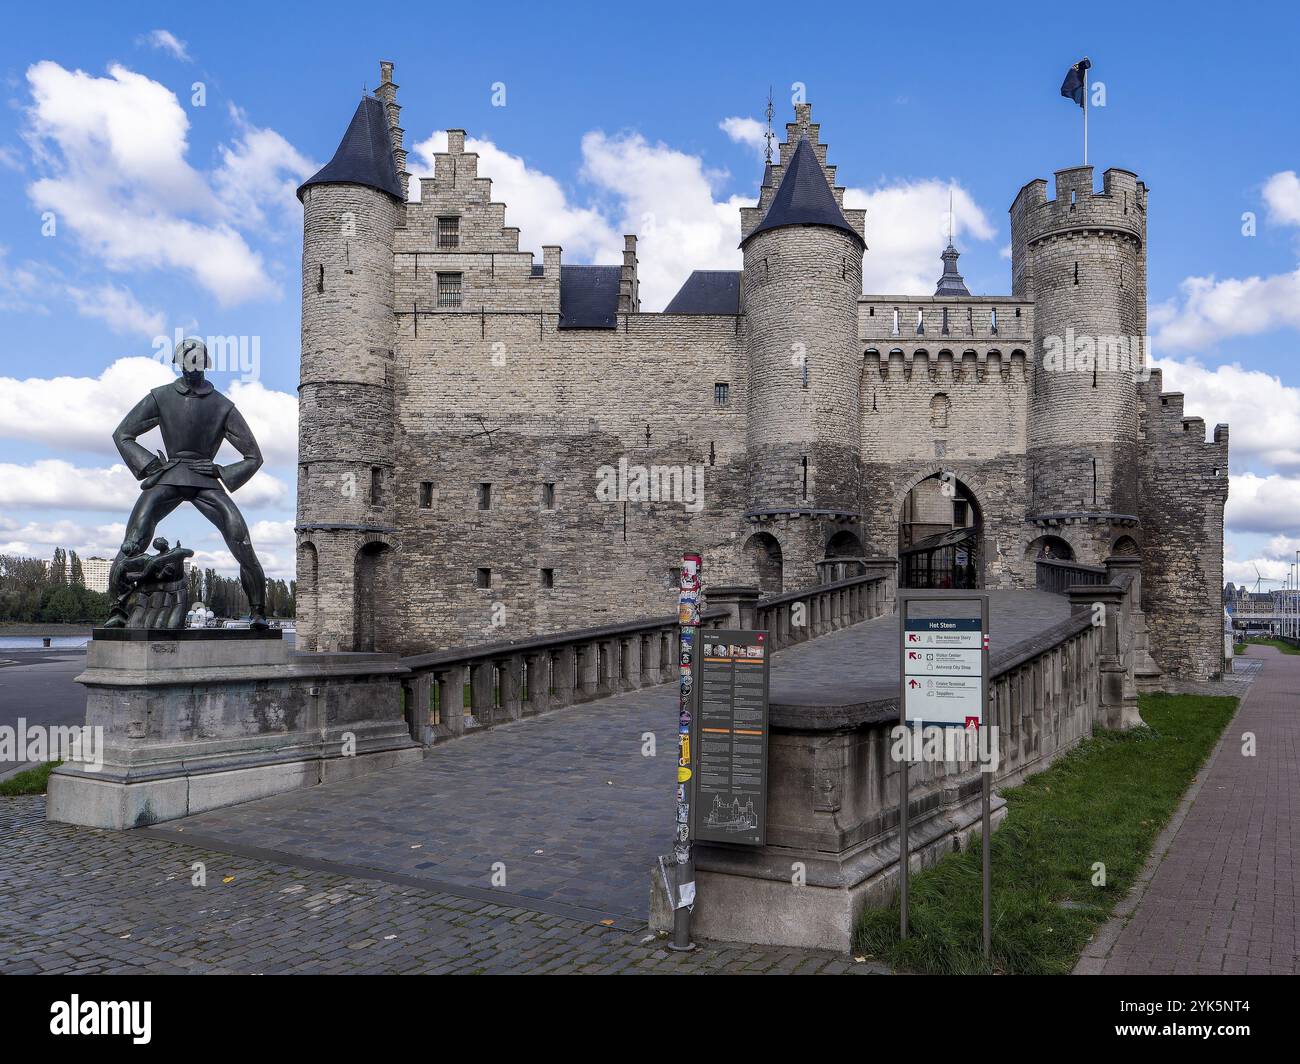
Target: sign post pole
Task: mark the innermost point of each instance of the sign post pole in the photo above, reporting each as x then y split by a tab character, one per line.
943	674
986	784
681	885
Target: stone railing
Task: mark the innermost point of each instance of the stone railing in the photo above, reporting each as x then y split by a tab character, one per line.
452	692
834	779
797	616
1059	576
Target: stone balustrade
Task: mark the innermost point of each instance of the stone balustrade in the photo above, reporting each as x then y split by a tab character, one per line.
452	692
1058	576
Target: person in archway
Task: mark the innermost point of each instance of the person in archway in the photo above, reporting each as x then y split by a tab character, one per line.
195	419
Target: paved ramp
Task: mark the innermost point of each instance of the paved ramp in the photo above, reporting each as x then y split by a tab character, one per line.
566	803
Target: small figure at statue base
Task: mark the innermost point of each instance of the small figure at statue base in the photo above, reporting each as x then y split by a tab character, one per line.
152	591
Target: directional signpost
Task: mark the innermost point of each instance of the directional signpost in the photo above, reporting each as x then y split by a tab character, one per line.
943	675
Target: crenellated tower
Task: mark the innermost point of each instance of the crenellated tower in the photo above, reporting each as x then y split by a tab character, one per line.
1081	258
802	279
347	523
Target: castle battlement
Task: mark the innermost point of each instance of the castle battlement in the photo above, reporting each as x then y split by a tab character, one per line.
928	366
1119	208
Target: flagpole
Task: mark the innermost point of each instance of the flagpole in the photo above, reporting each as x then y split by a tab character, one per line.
1085	118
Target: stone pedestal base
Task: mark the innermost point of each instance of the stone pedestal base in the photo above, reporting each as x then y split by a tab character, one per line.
185	722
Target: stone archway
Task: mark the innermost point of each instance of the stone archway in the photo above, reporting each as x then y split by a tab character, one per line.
307	602
371	594
940	527
762	552
1049	548
1126	545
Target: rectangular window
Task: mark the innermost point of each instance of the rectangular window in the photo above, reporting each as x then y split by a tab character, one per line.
482	578
993	321
426	494
945	321
548	496
376	486
449	289
449	232
920	323
894	329
548	578
485	496
721	393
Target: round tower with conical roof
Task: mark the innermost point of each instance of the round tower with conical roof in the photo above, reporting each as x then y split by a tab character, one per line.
346	491
802	279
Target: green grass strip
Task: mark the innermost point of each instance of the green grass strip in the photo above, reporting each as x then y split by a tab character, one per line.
1105	802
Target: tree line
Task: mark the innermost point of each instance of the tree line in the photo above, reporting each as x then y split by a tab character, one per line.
33	591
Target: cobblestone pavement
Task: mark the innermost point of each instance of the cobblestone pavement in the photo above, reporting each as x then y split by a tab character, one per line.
566	804
78	900
1225	898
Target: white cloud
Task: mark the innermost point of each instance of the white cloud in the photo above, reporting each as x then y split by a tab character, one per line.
277	564
80	413
1262	432
166	41
37	539
535	202
261	168
113	151
1263	503
907	229
748	131
51	483
1282	194
1209	309
666	197
118	308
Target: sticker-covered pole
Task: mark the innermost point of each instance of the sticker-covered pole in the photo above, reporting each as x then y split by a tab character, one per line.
688	620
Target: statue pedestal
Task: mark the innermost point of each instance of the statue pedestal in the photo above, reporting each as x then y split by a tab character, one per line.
196	719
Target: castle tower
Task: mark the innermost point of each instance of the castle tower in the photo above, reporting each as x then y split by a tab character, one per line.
347	408
802	279
1081	257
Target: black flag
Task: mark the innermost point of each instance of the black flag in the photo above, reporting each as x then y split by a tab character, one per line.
1074	82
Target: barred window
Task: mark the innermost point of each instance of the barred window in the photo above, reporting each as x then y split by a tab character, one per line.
448	289
449	232
721	393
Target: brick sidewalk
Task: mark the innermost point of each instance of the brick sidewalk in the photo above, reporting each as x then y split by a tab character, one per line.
78	900
1226	895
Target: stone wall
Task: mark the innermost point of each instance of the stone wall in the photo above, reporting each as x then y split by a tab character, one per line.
1184	482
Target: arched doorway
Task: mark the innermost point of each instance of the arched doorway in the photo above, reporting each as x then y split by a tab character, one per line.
370	595
843	558
307	598
940	532
764	555
1049	548
1126	545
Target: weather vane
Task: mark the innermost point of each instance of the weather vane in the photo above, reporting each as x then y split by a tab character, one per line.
767	154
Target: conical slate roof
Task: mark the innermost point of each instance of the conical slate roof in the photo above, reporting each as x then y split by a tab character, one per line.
804	196
364	155
951	283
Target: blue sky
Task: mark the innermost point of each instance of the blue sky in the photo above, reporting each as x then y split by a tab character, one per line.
168	215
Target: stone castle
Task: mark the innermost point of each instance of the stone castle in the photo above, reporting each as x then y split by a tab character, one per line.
493	447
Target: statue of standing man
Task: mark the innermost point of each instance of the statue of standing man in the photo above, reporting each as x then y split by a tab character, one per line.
194	419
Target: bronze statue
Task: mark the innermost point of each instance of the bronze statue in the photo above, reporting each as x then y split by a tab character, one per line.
194	418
